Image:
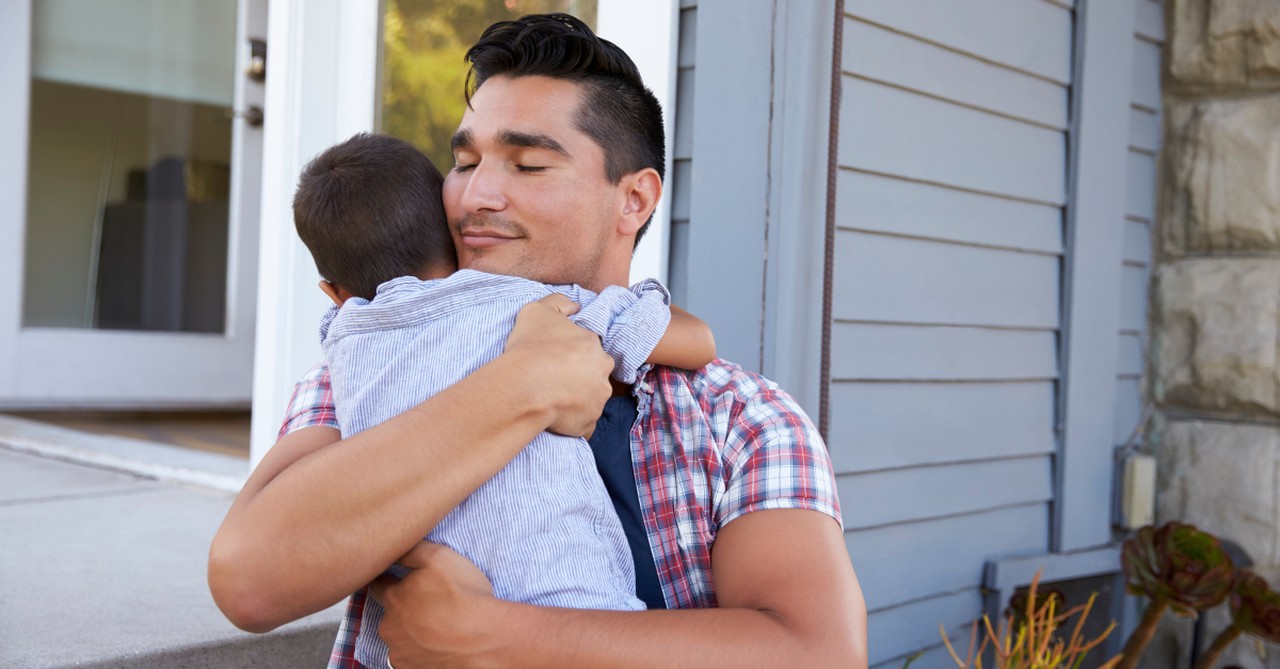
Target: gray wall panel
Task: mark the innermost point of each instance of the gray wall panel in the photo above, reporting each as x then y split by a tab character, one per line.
892	131
1141	200
876	203
878	351
882	498
1144	128
1033	37
898	632
886	278
890	425
880	54
901	563
1137	242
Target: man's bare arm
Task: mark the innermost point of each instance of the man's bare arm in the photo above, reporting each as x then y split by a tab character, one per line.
315	523
787	592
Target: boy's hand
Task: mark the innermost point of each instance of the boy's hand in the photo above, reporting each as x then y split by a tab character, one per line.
562	364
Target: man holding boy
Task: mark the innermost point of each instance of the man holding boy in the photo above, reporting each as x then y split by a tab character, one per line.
721	483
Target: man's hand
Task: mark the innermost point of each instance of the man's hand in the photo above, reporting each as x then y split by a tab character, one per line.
788	597
433	613
570	369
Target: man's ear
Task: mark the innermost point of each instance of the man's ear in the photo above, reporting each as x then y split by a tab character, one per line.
335	292
643	189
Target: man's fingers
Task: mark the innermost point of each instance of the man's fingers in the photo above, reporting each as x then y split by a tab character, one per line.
561	303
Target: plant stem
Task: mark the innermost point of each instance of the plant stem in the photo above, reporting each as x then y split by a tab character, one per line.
1219	644
1142	635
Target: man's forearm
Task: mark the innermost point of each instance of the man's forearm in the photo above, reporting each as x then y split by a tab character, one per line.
788	594
309	535
542	637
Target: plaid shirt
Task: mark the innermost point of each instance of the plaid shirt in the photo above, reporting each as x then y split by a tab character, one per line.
708	446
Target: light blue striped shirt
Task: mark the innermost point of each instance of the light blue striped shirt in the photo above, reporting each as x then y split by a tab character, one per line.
543	529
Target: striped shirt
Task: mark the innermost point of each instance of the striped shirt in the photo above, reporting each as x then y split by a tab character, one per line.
543	529
709	446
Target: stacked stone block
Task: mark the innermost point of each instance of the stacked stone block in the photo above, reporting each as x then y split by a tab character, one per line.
1215	354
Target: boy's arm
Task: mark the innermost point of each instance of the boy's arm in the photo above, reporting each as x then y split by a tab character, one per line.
639	325
314	523
687	343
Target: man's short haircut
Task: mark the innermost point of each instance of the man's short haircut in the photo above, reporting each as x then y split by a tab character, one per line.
369	209
617	110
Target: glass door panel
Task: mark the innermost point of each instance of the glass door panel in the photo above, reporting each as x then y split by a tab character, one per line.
423	71
129	211
129	165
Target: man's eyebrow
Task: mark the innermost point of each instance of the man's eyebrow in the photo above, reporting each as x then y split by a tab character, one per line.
461	140
531	141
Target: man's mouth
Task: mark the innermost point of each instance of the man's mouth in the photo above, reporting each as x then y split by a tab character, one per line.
482	239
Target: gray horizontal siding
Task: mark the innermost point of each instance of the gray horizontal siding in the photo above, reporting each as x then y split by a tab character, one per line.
1140	208
904	280
1150	21
907	562
1133	299
1146	71
948	270
1032	37
887	56
1141	200
914	353
897	632
878	203
679	182
887	425
1137	241
875	499
1144	129
891	131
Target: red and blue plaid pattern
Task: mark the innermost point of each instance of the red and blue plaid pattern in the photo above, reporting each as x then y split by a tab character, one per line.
709	446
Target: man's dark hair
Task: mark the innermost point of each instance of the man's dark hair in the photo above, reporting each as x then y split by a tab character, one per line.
369	209
617	110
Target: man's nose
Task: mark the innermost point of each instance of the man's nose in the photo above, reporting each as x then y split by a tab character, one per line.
485	189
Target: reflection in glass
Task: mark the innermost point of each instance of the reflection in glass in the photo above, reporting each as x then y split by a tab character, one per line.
129	165
423	71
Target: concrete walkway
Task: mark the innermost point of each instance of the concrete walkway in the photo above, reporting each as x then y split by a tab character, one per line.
103	564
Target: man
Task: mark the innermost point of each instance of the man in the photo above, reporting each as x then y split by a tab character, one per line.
722	484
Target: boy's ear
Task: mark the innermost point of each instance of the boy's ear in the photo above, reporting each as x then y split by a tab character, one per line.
337	293
644	188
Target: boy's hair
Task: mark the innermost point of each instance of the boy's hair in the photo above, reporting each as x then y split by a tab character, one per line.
369	210
617	110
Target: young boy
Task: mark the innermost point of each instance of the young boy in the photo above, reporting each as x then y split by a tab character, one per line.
407	324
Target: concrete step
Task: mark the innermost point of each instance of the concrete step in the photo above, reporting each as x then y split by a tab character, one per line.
102	568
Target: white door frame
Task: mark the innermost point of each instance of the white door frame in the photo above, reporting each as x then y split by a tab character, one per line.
321	88
56	368
324	58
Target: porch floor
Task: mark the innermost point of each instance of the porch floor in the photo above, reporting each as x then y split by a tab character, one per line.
104	557
225	432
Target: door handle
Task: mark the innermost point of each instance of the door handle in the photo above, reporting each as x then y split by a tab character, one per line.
252	115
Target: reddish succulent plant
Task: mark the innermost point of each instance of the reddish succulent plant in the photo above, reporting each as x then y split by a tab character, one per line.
1255	607
1178	564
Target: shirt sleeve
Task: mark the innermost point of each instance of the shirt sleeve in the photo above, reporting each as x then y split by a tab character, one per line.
776	459
629	321
312	403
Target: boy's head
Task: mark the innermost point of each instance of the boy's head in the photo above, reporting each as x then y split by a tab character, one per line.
369	210
617	111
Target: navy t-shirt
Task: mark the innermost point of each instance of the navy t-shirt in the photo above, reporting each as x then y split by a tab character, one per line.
611	446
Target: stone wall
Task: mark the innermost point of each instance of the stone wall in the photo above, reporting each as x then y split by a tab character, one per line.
1215	350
